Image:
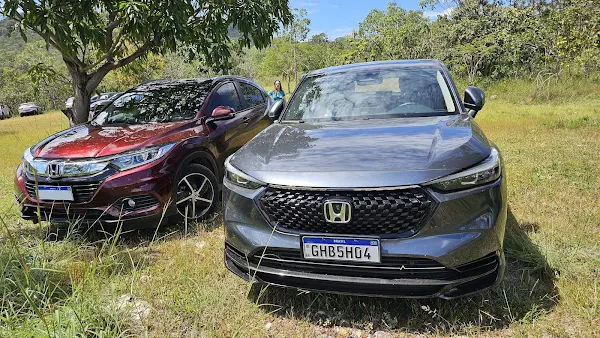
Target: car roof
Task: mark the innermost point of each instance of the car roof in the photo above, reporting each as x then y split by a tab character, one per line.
165	83
377	65
154	84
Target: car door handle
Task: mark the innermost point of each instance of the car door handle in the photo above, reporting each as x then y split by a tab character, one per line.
246	120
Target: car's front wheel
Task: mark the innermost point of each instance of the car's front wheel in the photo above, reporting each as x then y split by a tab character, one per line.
196	193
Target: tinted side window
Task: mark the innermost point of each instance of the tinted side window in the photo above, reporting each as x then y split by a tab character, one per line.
226	95
253	95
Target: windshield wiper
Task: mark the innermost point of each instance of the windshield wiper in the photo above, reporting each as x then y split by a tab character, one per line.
292	121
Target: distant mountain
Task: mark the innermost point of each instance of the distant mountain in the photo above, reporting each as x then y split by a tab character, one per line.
11	42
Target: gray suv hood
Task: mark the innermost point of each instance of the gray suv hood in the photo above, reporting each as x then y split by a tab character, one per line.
363	153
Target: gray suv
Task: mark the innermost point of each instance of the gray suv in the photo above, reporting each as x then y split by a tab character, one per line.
374	180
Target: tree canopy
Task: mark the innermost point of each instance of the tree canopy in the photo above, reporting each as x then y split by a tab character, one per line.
95	37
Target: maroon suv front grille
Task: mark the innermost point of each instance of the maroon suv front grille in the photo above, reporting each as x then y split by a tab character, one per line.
81	192
385	212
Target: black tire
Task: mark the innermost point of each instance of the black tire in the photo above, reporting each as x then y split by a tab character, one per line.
195	176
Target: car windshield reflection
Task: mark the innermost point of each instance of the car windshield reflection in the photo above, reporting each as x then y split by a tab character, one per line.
156	104
368	94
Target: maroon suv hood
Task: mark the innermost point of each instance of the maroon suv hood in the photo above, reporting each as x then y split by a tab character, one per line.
92	141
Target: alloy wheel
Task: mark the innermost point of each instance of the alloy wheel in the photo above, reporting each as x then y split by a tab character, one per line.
195	196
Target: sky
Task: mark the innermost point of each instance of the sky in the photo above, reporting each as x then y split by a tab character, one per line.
338	18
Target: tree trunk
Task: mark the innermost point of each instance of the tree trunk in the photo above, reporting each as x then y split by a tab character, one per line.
295	67
81	106
82	97
83	86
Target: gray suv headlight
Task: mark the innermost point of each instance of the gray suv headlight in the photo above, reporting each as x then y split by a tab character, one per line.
485	172
239	178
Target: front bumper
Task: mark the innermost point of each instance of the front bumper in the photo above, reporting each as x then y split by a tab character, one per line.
342	279
102	198
462	239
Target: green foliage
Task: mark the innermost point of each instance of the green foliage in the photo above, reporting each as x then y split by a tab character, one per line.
276	60
147	67
294	33
576	30
481	41
98	36
393	34
42	287
105	29
28	72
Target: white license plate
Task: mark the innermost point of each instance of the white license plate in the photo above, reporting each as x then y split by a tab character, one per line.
54	193
341	249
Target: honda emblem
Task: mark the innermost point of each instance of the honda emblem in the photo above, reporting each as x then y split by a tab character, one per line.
55	169
337	211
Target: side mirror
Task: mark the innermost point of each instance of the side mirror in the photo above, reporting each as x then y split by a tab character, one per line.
474	100
276	109
221	113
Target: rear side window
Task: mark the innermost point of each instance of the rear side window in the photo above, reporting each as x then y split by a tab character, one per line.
226	95
253	95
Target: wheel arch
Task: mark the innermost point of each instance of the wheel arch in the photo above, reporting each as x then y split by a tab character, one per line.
200	156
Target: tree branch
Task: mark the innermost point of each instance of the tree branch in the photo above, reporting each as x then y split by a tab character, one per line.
118	42
110	27
50	38
98	75
139	52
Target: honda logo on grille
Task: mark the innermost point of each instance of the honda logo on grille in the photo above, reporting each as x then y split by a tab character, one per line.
55	169
337	211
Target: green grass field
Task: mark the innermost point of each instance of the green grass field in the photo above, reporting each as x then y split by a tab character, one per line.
170	283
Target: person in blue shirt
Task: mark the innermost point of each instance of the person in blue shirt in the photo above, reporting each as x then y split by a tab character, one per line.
277	93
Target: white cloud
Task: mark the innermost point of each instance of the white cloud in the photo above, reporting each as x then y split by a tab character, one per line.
435	14
304	4
339	32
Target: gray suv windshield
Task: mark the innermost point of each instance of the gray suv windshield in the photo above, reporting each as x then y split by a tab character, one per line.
373	93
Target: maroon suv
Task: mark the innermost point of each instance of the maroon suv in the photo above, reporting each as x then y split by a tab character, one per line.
156	151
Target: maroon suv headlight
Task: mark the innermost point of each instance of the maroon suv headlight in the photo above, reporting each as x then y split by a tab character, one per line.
32	166
86	167
140	157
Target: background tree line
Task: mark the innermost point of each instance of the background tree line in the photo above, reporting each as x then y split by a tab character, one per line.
479	40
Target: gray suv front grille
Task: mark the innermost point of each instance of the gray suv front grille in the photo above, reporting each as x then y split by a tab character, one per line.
384	212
